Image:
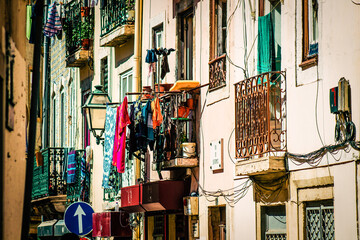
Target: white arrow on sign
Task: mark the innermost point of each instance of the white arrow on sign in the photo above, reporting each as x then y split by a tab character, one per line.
79	212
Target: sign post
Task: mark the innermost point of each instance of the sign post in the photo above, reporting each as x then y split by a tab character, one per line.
78	218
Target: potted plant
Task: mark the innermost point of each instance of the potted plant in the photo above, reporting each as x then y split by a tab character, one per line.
86	34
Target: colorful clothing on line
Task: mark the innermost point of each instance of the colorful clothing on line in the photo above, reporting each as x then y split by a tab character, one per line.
71	167
110	123
157	117
122	120
53	23
85	180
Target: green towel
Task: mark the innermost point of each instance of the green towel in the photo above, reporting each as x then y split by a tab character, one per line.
266	49
28	21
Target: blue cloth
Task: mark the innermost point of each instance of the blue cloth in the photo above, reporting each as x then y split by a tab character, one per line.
53	23
147	117
151	56
110	122
266	49
71	168
85	180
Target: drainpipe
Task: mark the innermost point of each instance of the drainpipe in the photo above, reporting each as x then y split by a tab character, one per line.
32	123
137	75
137	60
46	98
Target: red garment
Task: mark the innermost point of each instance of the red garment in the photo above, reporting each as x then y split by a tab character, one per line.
156	117
122	120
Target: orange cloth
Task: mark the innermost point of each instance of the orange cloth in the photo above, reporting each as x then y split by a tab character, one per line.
157	116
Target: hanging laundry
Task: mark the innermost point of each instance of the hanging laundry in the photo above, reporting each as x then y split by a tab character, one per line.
157	117
122	120
85	180
71	167
147	116
53	23
132	135
110	123
140	127
151	56
266	49
164	63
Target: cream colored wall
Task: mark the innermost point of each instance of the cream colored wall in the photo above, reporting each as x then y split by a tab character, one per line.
14	163
120	60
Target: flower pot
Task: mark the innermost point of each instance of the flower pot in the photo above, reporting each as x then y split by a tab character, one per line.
85	11
85	44
188	149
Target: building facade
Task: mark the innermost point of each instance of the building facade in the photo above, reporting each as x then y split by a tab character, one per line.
265	90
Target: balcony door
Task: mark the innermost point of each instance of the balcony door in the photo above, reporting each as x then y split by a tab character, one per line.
186	45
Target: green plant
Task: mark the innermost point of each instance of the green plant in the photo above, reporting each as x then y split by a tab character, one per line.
130	5
87	30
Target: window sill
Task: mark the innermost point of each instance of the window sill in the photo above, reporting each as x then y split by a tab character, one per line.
308	63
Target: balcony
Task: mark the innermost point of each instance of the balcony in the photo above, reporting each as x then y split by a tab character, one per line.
260	124
117	22
217	72
50	193
79	30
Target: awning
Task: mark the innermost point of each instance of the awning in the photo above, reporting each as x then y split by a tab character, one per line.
163	195
111	224
131	198
60	228
46	229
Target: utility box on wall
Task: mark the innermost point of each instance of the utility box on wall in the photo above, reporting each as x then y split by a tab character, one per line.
191	205
334	100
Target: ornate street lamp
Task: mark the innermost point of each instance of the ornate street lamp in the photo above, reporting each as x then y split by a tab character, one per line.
95	109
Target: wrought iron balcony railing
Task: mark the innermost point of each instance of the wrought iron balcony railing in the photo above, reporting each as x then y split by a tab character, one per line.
78	25
217	72
48	179
116	13
260	115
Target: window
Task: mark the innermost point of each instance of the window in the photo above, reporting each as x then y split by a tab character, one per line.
105	74
185	37
310	33
273	223
62	119
217	63
158	42
320	220
126	81
71	116
54	122
86	130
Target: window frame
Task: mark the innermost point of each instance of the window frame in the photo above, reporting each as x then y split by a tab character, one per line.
104	73
213	53
122	76
307	61
320	205
156	31
185	61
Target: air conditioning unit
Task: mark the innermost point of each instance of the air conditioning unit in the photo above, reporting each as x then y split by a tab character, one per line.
191	206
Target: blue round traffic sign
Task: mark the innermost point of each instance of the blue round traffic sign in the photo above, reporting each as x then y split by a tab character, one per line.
78	218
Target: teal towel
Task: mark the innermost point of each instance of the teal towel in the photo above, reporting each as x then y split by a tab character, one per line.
266	49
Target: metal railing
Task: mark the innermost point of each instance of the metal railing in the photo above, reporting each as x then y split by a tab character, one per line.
49	179
116	13
217	72
77	27
260	115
